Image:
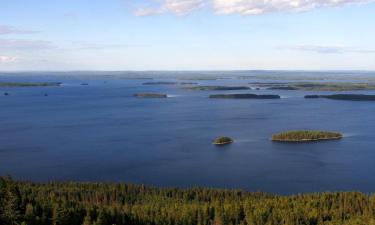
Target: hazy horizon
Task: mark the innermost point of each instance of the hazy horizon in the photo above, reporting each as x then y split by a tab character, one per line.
190	71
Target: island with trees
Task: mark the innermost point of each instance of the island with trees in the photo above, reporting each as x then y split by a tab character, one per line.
222	140
219	88
29	84
74	203
317	86
305	136
244	96
150	95
348	97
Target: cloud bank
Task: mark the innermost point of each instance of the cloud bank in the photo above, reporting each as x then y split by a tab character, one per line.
20	44
7	59
12	30
244	7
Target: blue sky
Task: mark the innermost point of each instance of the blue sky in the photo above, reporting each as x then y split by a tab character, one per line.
187	34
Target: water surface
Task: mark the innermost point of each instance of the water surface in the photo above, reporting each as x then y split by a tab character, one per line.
100	132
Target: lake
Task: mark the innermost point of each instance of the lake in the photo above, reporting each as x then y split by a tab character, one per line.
101	132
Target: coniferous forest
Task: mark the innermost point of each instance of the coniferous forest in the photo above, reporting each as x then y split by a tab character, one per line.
71	203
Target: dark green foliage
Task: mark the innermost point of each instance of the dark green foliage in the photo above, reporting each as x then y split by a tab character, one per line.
222	141
305	135
10	201
245	96
106	204
350	97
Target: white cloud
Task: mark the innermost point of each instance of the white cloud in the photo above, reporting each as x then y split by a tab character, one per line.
13	30
244	7
177	7
255	7
331	49
7	59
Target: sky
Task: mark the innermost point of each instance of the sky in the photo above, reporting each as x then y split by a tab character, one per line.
65	35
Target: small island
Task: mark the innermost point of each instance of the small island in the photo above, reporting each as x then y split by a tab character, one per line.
222	141
305	136
160	83
219	88
244	96
29	84
150	95
348	97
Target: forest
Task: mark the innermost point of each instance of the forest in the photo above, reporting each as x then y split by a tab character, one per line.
73	203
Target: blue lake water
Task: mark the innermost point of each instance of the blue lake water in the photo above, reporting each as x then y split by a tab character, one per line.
100	132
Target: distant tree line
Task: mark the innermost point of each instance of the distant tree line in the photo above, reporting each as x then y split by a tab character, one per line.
71	203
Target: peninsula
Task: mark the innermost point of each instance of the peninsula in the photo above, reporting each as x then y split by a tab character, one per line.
348	97
317	86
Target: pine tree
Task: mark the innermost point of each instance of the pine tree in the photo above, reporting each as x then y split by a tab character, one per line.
30	217
10	200
87	220
101	220
60	215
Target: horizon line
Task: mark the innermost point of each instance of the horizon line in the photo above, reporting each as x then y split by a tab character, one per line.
193	70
